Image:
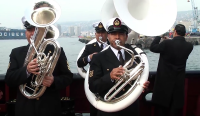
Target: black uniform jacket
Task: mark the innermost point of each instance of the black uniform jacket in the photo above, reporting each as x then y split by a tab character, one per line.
169	82
49	103
100	81
89	49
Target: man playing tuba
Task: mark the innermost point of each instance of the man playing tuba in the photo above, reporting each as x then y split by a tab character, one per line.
49	103
106	67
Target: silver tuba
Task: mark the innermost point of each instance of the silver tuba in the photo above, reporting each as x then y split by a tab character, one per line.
45	34
144	17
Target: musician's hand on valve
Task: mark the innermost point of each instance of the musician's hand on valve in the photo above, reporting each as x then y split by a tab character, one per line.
33	67
146	85
91	55
116	73
47	81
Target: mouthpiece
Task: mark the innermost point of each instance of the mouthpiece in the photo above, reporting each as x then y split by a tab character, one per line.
117	42
100	38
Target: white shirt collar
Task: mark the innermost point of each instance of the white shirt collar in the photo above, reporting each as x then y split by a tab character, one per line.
116	52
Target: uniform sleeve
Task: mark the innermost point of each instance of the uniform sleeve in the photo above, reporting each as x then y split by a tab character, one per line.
156	46
15	74
63	77
83	60
98	82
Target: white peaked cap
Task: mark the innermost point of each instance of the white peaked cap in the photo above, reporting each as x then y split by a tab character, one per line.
121	25
23	19
95	24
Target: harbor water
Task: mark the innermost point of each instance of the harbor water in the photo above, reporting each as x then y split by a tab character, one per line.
72	48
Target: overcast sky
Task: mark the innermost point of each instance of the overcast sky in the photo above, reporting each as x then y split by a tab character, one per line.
11	11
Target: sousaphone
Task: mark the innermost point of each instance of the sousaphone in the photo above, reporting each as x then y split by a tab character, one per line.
146	17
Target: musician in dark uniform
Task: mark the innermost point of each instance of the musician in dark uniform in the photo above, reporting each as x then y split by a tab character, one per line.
104	69
49	104
95	47
92	49
168	94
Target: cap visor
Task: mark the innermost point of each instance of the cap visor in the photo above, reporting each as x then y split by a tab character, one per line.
100	30
117	30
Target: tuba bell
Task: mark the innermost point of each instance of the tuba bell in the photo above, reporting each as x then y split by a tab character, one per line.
142	17
45	34
146	17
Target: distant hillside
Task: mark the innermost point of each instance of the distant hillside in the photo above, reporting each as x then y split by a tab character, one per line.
87	25
185	15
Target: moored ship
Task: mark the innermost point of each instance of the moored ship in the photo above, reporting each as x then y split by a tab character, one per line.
85	39
6	33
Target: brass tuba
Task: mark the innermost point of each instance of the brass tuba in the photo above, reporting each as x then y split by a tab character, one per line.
45	34
147	17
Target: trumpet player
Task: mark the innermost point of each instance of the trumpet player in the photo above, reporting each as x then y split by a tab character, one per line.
106	66
94	48
168	93
49	103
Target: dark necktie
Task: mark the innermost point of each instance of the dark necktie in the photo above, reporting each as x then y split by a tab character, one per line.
121	60
101	46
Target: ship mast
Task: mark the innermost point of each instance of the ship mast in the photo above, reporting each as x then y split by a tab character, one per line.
195	16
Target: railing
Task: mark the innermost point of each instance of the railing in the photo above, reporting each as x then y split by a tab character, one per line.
76	91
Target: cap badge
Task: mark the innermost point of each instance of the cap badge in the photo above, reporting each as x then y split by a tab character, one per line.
100	25
117	23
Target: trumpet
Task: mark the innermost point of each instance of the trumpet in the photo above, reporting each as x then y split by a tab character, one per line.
101	40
